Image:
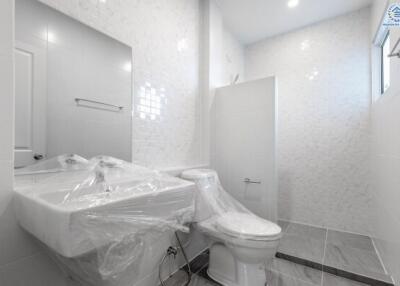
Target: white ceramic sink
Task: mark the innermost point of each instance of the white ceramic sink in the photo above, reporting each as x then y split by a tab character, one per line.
74	222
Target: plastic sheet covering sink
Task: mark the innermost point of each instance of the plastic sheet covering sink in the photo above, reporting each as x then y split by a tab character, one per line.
99	218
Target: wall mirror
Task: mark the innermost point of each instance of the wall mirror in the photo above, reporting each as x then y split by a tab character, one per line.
73	88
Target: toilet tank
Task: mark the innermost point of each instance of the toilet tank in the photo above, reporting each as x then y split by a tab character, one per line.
207	184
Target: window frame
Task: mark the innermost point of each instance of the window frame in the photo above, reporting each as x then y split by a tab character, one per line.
382	63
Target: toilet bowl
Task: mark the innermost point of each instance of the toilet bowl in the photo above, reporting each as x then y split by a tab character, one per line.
242	244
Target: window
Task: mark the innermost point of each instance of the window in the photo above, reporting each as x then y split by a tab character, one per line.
385	64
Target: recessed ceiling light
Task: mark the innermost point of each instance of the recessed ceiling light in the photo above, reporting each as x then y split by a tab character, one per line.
293	3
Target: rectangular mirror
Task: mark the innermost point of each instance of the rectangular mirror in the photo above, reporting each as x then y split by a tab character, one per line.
73	88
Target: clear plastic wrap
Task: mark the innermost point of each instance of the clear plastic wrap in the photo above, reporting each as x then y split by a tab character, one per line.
101	218
218	212
61	163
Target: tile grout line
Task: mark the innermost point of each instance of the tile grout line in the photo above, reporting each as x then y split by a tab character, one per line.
323	256
292	277
380	259
318	226
337	271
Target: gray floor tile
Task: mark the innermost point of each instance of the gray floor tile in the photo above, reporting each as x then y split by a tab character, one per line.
177	279
355	272
283	224
199	281
302	247
280	279
180	278
297	271
350	240
332	280
199	262
307	231
358	260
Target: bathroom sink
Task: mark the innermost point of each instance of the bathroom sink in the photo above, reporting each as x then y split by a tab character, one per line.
73	218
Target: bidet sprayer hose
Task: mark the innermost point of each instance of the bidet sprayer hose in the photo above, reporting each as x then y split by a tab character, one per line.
173	251
189	271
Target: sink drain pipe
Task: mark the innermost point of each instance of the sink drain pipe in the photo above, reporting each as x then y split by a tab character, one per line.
174	251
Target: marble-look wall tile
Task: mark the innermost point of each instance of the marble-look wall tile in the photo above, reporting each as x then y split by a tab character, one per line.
323	75
233	62
164	36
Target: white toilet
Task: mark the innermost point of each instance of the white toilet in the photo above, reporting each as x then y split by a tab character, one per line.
242	243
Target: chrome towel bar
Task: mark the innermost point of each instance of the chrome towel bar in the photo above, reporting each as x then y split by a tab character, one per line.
78	100
248	181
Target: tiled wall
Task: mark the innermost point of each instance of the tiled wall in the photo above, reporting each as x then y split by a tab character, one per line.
165	40
323	78
6	102
233	58
20	261
13	245
386	162
165	43
223	59
81	63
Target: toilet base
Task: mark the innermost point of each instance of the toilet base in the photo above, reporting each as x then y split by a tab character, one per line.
228	271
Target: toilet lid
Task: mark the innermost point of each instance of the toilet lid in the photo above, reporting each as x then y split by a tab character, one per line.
247	226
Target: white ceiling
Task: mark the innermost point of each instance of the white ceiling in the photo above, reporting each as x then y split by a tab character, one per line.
253	20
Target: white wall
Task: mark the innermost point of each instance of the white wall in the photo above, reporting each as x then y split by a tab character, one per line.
165	40
81	63
164	36
233	58
222	57
244	135
6	103
386	157
323	77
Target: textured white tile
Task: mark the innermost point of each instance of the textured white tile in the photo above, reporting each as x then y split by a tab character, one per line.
233	61
323	76
164	37
165	41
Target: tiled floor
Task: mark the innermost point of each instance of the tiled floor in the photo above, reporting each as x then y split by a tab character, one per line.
332	251
282	273
335	252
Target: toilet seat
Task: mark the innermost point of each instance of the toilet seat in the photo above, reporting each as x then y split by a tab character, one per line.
247	226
